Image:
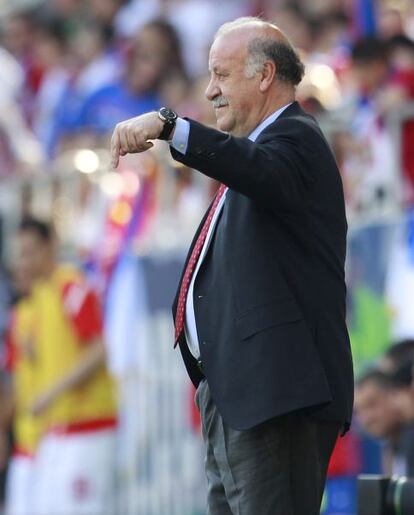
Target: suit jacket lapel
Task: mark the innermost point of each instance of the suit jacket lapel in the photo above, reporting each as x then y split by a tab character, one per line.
293	109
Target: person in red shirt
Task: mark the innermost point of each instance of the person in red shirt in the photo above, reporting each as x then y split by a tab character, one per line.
74	394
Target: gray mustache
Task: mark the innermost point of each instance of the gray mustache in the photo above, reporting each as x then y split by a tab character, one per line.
220	101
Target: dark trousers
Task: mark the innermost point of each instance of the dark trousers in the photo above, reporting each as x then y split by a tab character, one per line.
276	468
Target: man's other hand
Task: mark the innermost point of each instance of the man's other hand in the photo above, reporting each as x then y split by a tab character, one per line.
133	136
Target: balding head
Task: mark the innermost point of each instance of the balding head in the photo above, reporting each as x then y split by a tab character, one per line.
264	41
253	27
254	70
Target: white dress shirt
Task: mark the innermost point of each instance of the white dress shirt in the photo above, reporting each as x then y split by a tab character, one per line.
180	143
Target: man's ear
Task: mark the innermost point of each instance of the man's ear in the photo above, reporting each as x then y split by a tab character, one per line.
267	75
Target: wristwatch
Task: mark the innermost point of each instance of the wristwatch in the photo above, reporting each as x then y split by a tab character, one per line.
169	117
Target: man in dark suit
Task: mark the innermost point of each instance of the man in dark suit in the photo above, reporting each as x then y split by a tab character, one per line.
260	310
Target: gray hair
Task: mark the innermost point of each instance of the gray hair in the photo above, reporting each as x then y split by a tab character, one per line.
289	67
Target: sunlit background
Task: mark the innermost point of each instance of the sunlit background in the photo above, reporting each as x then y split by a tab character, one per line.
71	69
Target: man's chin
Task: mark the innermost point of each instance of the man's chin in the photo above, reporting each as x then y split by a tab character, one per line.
223	125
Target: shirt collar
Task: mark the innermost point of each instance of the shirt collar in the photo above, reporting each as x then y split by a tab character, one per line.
266	122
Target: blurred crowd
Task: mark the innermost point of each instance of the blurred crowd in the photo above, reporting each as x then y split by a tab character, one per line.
70	70
58	401
384	405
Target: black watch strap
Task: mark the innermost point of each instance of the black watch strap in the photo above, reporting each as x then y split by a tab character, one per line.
169	117
167	130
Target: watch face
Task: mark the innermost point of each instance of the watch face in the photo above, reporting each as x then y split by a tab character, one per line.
168	114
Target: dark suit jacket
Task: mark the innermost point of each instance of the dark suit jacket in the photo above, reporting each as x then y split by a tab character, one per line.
269	297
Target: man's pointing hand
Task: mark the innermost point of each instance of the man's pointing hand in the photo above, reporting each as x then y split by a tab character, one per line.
134	135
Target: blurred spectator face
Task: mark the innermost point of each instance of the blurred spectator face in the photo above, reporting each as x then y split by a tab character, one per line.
148	61
104	10
403	401
66	8
402	53
369	64
48	50
291	21
403	59
33	255
375	410
18	34
87	44
390	23
330	30
369	76
397	362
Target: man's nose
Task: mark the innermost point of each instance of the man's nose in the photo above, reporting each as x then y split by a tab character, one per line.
212	91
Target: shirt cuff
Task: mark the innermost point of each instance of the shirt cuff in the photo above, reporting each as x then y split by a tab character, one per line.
181	135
